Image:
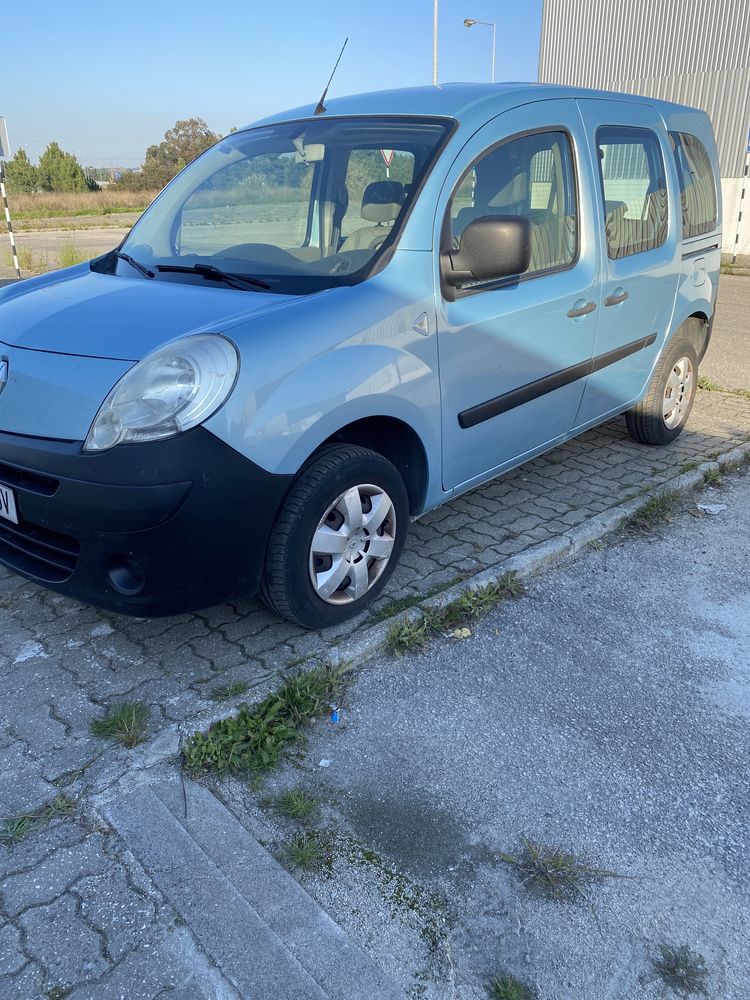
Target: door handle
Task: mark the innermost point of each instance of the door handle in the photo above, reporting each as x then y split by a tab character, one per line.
583	310
618	296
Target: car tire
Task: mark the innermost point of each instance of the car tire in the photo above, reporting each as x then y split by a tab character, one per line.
663	412
337	539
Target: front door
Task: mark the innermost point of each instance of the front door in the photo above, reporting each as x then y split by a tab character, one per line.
514	354
635	190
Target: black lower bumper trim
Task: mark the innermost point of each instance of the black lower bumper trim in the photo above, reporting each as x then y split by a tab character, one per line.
149	529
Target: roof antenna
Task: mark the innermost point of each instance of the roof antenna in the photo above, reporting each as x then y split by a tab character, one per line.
321	106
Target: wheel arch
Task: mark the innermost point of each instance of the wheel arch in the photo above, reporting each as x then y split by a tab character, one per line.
395	440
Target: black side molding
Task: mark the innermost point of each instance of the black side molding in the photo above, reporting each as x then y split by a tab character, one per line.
533	390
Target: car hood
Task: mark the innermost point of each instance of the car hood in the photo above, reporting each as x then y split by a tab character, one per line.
81	312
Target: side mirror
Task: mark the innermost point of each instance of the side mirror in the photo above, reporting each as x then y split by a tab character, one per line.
492	247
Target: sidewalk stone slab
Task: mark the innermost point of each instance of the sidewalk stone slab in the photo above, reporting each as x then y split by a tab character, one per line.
264	932
63	943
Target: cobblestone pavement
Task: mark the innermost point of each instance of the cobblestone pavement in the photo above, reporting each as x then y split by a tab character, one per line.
76	912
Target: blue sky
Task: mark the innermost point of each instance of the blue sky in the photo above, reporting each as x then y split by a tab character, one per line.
106	80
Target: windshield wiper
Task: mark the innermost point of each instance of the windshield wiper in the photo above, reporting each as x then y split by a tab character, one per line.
145	271
216	274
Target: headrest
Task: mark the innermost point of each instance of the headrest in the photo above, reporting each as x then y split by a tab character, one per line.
382	201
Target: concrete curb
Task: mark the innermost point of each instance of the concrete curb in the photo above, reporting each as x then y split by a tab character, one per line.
529	562
370	640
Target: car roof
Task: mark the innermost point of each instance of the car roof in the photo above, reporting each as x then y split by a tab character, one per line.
469	103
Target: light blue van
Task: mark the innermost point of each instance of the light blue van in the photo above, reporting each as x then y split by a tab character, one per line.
331	323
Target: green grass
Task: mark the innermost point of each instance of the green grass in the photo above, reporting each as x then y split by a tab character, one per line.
682	969
224	692
307	851
554	872
16	829
407	636
657	510
712	477
254	738
708	385
125	723
69	254
509	988
296	804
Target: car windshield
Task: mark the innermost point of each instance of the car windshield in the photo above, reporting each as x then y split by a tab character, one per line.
302	206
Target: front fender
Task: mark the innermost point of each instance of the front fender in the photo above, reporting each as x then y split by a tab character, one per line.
279	427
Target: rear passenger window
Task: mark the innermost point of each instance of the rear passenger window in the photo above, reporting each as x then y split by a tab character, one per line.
697	186
530	176
635	190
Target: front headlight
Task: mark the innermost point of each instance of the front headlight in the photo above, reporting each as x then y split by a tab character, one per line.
170	391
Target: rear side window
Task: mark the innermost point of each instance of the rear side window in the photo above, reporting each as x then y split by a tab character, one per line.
530	175
635	190
697	185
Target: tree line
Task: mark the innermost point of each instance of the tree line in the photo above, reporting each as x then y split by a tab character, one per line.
60	171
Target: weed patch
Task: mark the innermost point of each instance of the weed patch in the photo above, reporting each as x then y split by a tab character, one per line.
712	477
682	969
406	636
308	851
554	872
296	804
68	255
509	988
657	510
16	829
253	739
224	692
708	385
125	723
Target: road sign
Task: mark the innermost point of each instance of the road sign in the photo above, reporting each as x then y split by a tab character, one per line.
4	144
387	155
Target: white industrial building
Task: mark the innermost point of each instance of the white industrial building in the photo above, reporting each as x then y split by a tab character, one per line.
694	52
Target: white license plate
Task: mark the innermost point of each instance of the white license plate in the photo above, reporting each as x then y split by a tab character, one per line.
8	504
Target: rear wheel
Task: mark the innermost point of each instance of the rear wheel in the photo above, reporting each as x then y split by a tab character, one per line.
663	412
338	537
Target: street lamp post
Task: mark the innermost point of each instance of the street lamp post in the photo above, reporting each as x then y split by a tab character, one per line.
435	41
469	22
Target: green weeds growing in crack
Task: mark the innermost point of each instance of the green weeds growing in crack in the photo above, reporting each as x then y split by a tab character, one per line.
401	604
509	988
712	477
657	510
708	385
682	969
125	723
253	739
223	692
58	992
14	830
297	804
308	851
406	636
554	872
688	466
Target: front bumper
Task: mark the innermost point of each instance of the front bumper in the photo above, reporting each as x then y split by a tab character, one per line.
148	529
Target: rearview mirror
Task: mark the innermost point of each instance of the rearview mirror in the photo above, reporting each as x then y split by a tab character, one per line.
492	247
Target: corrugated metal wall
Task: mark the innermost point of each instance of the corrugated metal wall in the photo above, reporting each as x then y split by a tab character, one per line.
694	52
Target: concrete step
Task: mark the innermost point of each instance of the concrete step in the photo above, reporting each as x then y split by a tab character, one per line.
267	936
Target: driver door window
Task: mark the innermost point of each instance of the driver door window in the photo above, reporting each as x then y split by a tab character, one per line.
530	176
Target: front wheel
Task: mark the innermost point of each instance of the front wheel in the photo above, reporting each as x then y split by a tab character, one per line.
663	412
338	537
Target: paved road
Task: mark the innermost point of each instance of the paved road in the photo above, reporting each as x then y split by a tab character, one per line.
728	358
607	713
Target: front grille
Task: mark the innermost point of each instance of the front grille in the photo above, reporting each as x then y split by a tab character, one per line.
25	479
41	553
